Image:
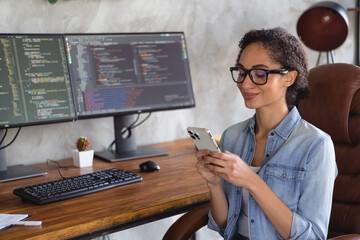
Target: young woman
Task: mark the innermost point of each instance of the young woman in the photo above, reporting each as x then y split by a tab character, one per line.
274	177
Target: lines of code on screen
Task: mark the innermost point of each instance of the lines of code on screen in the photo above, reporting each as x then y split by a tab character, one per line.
124	73
34	80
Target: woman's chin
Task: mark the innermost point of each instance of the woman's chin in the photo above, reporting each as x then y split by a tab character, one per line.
250	105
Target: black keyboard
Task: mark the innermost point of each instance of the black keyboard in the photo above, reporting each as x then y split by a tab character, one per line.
76	186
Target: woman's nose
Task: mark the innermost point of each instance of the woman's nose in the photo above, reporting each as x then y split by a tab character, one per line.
247	83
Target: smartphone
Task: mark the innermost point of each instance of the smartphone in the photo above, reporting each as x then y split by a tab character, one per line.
203	139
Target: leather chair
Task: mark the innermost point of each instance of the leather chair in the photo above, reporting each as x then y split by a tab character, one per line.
334	107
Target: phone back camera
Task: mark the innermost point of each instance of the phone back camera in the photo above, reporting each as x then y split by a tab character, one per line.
191	133
197	136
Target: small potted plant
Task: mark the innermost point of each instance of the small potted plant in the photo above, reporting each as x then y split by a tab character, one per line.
83	156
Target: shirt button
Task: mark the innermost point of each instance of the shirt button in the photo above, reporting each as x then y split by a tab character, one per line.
272	134
251	149
284	175
235	215
252	221
267	155
238	191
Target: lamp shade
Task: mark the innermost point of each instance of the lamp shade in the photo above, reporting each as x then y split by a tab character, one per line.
324	26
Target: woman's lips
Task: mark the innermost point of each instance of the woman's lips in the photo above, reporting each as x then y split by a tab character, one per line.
249	96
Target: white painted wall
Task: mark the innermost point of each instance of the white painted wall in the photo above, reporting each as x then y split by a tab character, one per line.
212	28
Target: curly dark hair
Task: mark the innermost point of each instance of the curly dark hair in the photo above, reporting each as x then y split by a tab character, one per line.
288	51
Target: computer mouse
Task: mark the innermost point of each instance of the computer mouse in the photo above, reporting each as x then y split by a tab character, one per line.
149	166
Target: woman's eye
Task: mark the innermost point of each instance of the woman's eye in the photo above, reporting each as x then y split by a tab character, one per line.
260	73
241	72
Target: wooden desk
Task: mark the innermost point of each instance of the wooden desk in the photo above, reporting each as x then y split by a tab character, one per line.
174	189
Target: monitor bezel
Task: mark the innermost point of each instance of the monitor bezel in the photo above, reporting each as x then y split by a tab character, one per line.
135	111
70	119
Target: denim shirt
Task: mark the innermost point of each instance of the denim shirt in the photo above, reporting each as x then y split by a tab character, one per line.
299	166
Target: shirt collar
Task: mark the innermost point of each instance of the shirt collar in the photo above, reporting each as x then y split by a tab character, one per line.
286	126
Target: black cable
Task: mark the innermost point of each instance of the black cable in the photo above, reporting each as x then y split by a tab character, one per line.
146	118
124	131
59	166
110	146
137	119
131	126
17	133
3	138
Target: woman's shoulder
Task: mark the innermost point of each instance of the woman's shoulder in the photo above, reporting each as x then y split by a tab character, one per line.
238	127
307	134
310	129
233	134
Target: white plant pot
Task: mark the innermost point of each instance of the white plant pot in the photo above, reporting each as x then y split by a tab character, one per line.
83	158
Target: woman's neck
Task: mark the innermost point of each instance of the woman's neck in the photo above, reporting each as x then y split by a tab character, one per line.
268	118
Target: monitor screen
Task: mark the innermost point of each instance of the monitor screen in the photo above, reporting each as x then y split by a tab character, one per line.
34	89
119	74
126	73
34	80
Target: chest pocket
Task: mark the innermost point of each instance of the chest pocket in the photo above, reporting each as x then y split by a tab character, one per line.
286	182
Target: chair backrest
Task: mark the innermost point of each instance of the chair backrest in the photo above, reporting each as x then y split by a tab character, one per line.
334	107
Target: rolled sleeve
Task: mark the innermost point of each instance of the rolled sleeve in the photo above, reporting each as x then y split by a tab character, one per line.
212	225
311	219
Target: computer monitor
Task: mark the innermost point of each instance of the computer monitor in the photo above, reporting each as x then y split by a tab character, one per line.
34	89
121	74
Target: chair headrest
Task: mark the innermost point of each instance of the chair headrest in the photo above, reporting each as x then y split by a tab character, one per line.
334	98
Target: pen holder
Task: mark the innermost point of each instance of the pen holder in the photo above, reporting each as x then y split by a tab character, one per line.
83	158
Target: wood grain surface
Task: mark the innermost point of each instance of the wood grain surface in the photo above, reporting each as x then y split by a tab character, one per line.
175	188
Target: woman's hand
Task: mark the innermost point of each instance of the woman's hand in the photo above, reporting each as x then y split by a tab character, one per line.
230	167
203	170
218	202
233	169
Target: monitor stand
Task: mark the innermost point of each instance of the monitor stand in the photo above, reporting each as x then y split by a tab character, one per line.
19	172
10	173
126	148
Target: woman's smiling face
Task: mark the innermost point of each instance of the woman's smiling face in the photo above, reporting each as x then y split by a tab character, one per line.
273	92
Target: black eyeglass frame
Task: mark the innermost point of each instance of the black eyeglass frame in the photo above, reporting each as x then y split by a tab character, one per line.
248	71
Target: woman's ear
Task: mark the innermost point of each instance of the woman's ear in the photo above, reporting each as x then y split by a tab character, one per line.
290	78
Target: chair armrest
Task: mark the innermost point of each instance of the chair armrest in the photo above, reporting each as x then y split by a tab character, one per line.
347	237
188	224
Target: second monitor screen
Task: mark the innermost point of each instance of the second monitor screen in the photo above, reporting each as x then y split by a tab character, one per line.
124	73
34	80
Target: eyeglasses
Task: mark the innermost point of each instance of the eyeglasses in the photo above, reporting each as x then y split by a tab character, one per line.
257	76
